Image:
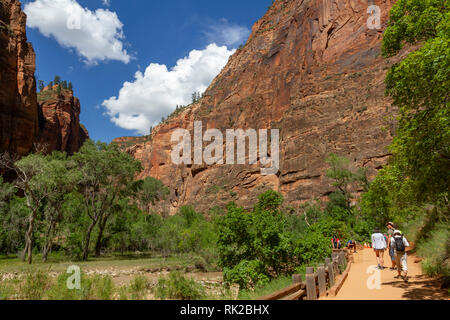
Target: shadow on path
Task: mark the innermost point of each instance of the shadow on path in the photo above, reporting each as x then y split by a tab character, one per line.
419	287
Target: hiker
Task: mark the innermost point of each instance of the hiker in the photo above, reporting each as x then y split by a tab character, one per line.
336	243
379	245
391	228
399	243
351	244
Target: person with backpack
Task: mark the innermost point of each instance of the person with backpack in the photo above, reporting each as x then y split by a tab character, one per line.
379	246
391	228
400	243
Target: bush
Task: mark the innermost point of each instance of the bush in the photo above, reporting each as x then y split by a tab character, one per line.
313	247
435	250
178	287
122	293
138	288
247	274
102	288
271	287
35	286
5	290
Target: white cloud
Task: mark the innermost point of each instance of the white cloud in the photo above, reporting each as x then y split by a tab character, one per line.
226	33
96	35
155	93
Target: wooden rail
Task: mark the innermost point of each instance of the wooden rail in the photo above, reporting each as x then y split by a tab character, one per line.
318	282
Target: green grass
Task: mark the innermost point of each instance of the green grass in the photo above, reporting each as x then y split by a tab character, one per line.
59	263
176	286
271	287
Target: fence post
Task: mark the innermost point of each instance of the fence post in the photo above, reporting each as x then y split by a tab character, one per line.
311	292
336	265
330	272
296	278
342	259
322	281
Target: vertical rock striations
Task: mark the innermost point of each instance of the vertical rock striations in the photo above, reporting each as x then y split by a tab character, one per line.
18	102
59	121
311	68
54	121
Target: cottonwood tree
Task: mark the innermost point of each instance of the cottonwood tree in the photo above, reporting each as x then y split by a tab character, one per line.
344	176
30	180
148	192
61	177
104	174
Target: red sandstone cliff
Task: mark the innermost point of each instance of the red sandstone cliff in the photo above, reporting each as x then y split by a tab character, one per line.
54	121
18	103
59	123
311	68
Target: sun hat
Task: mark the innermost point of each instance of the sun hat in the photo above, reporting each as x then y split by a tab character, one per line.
398	232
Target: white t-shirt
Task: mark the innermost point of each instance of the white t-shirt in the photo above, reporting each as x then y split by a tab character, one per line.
378	241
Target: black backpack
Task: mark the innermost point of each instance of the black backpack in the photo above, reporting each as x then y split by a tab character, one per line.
399	245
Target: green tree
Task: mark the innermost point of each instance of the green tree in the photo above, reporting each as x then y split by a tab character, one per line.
57	80
254	246
344	177
148	192
105	175
419	85
34	184
61	176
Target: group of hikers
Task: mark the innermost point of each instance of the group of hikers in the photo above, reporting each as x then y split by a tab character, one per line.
393	240
396	243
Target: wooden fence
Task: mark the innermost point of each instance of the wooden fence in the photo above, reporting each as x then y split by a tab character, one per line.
318	282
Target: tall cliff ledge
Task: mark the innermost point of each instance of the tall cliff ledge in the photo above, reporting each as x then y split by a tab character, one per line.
18	101
59	121
311	68
54	120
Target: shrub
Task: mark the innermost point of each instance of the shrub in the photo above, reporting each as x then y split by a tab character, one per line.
122	293
60	291
177	286
5	290
35	286
271	287
313	247
247	274
435	250
102	288
138	288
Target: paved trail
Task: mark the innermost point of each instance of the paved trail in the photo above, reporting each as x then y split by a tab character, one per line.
420	287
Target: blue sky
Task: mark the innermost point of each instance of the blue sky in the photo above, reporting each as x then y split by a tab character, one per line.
142	35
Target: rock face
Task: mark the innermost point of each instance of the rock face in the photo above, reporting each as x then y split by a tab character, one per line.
59	121
311	68
18	103
54	121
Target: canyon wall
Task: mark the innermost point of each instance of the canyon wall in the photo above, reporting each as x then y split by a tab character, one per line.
59	121
24	121
18	101
311	68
